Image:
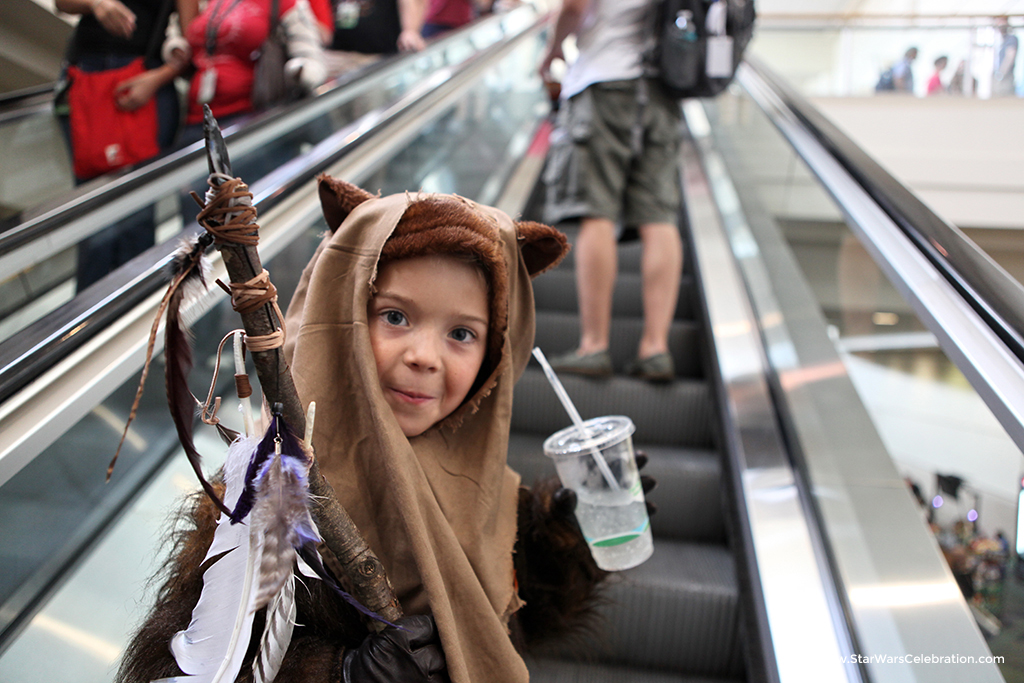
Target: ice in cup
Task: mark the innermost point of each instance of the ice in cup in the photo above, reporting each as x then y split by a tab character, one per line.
614	521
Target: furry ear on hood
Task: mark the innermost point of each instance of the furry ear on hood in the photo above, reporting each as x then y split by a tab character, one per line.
338	198
542	246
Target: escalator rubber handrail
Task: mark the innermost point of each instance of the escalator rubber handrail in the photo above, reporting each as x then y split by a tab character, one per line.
49	340
992	292
14	98
153	172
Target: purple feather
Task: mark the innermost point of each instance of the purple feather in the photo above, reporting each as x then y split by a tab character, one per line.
289	447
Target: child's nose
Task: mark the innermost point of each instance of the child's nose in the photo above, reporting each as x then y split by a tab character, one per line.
423	352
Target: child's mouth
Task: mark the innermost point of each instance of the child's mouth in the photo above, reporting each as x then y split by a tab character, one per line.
410	396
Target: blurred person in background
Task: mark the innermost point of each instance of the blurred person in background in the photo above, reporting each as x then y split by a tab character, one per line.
111	35
614	157
378	27
900	76
956	83
222	40
1003	84
325	20
445	15
935	86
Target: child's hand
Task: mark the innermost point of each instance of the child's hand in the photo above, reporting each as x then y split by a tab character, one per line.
563	502
409	655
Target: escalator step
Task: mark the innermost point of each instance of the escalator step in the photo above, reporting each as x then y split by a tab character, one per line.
628	252
679	413
559	332
556	291
688	492
555	671
676	612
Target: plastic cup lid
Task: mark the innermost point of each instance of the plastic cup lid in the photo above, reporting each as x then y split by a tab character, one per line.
609	429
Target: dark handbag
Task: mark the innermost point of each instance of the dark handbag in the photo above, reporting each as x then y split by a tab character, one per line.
270	86
684	48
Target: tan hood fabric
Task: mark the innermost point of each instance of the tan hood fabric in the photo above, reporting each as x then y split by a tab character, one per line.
439	509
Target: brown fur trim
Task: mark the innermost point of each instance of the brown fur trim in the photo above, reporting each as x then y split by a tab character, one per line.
557	576
441	225
327	624
338	198
542	246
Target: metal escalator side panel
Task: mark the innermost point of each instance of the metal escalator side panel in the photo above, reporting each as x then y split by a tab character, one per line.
798	633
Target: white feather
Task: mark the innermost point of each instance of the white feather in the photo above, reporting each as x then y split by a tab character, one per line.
211	649
255	568
277	634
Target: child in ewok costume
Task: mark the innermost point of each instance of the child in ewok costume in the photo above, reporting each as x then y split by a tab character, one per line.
441	509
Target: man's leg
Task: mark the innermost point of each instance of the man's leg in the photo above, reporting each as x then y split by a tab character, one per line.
661	266
596	266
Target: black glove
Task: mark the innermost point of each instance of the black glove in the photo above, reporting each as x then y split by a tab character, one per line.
564	500
398	656
647	482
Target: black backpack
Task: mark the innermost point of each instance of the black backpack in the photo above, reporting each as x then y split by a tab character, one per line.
679	57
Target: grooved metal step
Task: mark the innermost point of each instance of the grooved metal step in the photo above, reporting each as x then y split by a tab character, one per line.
677	612
678	414
555	671
556	291
629	253
558	332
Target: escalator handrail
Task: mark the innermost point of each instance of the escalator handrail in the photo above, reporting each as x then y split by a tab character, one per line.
49	340
19	104
992	292
154	172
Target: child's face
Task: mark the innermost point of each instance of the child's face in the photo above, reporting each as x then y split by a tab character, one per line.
428	328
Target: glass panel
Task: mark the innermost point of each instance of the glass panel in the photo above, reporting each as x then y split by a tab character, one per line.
956	153
935	428
49	523
846	58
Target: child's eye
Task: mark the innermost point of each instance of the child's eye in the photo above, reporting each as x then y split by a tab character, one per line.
393	317
462	334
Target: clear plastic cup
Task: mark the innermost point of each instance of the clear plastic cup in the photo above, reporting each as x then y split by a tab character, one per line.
614	521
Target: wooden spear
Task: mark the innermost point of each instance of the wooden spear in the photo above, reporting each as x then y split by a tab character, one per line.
363	574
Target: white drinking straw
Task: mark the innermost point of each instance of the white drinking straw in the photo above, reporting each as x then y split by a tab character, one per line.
574	415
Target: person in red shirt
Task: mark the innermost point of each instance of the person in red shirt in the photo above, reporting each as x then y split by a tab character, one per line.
445	15
223	39
935	86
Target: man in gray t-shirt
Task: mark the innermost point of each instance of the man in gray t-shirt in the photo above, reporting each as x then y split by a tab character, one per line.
614	160
1006	56
903	73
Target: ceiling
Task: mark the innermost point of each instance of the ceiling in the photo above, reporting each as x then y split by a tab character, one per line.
905	8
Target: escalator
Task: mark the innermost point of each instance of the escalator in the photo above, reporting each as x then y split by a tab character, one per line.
782	522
